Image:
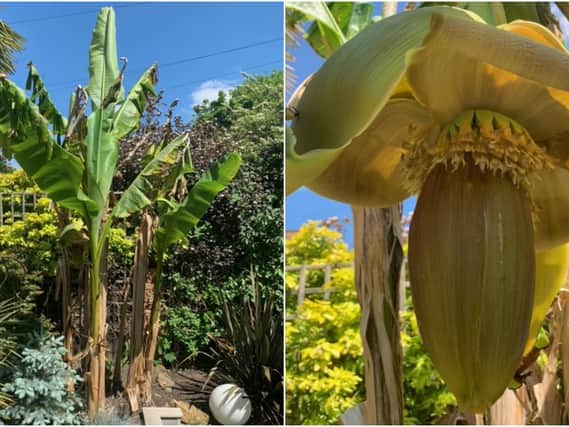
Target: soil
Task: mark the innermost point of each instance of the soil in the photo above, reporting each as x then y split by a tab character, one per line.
184	385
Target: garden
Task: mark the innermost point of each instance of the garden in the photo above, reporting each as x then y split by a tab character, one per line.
140	251
455	114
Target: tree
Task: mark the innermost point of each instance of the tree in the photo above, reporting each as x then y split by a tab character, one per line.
173	224
377	231
78	173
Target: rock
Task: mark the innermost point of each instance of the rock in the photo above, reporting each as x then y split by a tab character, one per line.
191	415
163	378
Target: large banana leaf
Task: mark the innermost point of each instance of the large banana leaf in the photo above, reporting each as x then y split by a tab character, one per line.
177	223
103	65
521	10
128	116
144	188
321	14
24	133
45	105
102	155
351	18
104	89
492	12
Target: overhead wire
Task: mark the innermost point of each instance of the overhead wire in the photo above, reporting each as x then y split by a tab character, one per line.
254	67
71	83
67	15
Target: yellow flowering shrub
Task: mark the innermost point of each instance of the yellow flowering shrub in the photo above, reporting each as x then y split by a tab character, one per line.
324	362
17	181
324	351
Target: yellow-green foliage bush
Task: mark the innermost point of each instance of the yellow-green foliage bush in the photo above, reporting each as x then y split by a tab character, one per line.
324	353
31	245
16	181
313	244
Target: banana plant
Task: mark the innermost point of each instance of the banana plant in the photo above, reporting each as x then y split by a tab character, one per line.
175	221
78	176
387	82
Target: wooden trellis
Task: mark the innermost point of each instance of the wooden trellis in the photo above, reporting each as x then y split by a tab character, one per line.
302	291
15	205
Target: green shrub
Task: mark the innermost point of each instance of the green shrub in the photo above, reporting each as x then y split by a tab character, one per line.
39	384
244	225
425	394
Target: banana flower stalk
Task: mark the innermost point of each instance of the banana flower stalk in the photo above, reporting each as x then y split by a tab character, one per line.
474	119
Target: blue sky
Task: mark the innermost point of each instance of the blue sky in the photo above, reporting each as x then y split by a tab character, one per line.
147	33
304	205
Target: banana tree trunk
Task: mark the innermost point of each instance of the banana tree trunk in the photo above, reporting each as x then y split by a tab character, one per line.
97	329
63	280
389	8
135	377
153	329
510	408
549	402
119	350
378	260
63	272
564	350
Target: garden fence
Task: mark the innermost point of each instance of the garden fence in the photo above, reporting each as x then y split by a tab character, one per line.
302	291
15	205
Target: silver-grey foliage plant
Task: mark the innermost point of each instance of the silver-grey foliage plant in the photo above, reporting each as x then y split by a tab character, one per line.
39	385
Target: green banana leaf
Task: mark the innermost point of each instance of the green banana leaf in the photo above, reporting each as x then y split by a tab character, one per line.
176	224
102	156
492	12
128	116
144	188
351	18
45	105
103	65
104	89
24	133
521	10
320	12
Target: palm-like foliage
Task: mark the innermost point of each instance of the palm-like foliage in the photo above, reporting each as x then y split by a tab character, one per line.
10	43
253	354
8	310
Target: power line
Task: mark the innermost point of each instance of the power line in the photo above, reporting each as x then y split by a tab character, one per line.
67	84
254	67
66	15
221	52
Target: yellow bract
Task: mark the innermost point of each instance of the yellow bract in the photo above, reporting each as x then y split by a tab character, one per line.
416	72
550	275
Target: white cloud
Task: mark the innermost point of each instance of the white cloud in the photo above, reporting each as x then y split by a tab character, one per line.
209	90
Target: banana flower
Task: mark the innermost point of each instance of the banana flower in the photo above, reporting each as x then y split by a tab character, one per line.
474	119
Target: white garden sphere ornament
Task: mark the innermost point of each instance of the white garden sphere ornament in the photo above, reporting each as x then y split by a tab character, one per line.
230	405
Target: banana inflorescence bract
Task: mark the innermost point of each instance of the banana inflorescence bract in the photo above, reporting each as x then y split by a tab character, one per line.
474	119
